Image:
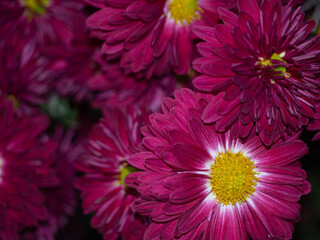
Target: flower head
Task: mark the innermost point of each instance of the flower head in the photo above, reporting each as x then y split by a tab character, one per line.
196	183
25	170
41	21
26	76
152	37
262	68
60	201
105	166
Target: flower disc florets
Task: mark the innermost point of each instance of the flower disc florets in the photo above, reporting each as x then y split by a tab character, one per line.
274	71
233	178
35	7
184	11
125	169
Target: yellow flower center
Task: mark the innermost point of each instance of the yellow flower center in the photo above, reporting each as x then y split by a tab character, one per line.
233	178
266	62
124	171
184	11
36	7
14	101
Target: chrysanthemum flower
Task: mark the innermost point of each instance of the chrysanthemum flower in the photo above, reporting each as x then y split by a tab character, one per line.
25	168
152	36
26	76
61	200
262	68
42	21
196	183
115	89
105	167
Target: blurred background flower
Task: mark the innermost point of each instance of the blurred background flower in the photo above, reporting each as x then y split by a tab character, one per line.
104	168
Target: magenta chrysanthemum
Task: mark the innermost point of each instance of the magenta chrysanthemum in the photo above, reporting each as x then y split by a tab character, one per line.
105	166
262	69
152	36
196	183
26	76
41	21
25	168
60	201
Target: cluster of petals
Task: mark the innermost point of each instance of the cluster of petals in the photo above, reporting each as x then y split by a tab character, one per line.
152	177
103	191
41	21
26	76
60	201
26	167
112	87
48	32
174	178
78	61
146	35
314	124
261	69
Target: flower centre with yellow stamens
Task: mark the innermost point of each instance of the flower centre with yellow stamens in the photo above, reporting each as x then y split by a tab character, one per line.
266	62
36	7
124	171
233	178
184	11
14	101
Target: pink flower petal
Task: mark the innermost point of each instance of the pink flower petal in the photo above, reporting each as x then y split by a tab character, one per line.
189	157
195	190
282	154
204	134
195	215
252	223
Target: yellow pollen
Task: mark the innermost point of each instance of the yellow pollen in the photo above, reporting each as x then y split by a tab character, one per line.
124	171
266	62
184	11
35	7
233	178
14	101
